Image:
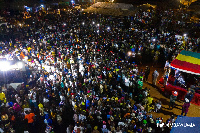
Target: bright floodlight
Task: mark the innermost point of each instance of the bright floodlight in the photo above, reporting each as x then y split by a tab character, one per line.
4	66
19	65
129	53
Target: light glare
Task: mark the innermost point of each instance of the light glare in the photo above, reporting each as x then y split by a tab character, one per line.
129	53
4	66
19	65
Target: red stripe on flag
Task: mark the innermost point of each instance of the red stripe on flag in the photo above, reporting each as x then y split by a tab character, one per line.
186	66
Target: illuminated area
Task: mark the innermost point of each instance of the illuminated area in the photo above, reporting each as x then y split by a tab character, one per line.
187	2
129	53
7	66
119	68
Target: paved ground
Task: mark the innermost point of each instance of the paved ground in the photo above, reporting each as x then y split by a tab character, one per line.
155	92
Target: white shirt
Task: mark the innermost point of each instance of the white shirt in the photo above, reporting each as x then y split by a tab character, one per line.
167	64
62	98
45	100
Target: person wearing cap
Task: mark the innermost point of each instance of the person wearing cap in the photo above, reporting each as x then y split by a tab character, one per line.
173	98
185	106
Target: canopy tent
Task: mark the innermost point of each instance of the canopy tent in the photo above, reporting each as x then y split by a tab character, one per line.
188	62
184	124
14	85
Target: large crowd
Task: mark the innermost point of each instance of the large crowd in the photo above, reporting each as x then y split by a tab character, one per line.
82	72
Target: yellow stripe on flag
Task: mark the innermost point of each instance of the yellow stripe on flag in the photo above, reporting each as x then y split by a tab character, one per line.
189	59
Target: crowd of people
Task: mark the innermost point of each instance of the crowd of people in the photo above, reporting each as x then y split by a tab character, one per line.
79	76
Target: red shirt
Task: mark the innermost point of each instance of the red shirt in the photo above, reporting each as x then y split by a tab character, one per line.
30	117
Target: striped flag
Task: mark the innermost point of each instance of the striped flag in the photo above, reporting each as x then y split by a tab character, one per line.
187	61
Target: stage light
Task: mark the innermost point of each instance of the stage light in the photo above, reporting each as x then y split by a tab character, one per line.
4	66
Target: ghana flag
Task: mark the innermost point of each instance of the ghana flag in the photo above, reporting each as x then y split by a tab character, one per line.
187	61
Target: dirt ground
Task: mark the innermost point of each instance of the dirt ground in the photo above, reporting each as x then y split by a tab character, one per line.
156	93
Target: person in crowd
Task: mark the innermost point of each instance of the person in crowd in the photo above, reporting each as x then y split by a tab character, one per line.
166	65
155	77
146	73
190	94
176	76
173	98
158	106
166	76
185	106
